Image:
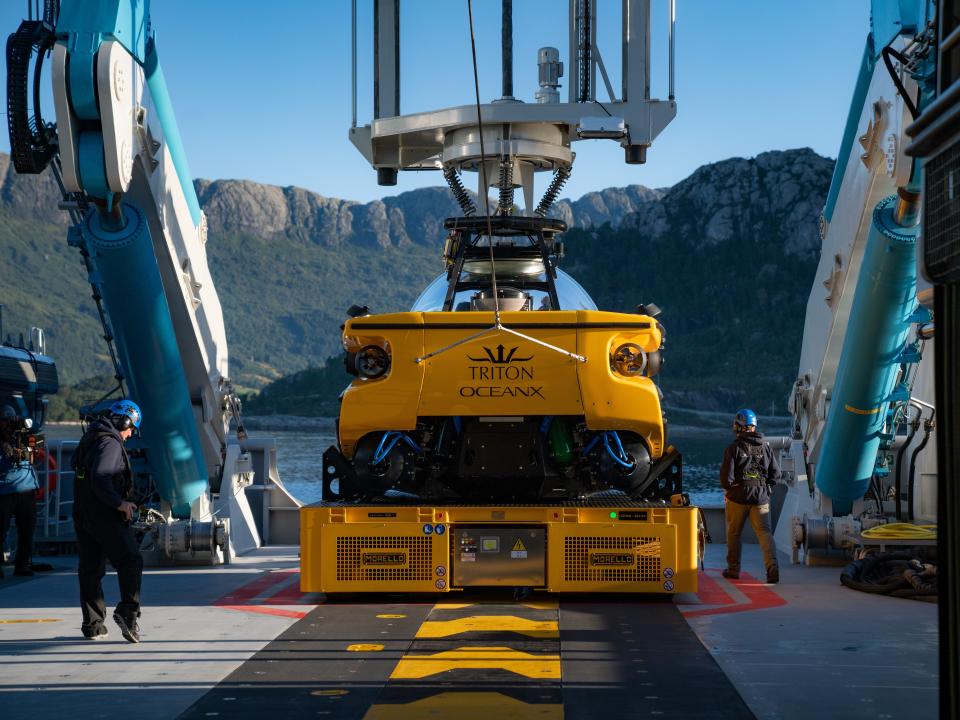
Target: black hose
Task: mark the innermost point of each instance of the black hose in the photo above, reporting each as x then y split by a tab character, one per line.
878	492
560	177
927	429
586	52
506	48
898	574
903	448
505	206
51	11
460	193
887	53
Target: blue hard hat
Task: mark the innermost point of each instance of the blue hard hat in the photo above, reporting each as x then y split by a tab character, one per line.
745	418
127	412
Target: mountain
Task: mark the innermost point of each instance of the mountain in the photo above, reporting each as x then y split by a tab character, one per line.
739	235
729	254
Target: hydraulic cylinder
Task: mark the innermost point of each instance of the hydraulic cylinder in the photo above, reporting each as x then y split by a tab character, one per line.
129	280
877	330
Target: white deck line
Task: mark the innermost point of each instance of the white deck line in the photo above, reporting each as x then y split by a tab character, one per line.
49	670
829	652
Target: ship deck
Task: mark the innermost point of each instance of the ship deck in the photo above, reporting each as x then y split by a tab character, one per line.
242	641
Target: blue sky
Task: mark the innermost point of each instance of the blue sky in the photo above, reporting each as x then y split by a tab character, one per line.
262	90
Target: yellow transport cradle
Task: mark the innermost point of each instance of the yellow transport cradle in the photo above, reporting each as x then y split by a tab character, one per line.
588	546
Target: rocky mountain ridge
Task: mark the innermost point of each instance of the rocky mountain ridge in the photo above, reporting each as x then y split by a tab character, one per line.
270	212
287	261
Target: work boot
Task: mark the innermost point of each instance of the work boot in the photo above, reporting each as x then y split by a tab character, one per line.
773	576
128	628
96	632
732	574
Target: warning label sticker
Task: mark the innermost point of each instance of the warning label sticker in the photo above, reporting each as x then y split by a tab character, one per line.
519	550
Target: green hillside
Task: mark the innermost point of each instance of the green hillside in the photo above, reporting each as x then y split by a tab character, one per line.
729	254
733	315
283	307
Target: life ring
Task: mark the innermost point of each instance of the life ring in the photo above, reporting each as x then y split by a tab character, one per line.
41	456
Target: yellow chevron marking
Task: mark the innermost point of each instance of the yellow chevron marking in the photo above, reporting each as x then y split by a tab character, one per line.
489	623
29	620
390	617
533	605
361	647
466	706
542	604
415	667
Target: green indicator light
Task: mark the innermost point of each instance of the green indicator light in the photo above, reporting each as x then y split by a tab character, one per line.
613	514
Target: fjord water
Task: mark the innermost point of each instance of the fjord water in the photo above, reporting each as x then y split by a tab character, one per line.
300	456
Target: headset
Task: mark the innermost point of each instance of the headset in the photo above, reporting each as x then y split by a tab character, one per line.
125	415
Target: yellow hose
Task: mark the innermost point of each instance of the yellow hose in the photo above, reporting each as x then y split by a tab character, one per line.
902	531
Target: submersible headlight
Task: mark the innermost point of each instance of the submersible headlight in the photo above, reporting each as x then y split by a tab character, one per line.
629	359
372	362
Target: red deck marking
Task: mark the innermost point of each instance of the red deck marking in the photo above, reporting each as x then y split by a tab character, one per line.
288	595
262	610
759	597
241	598
252	589
711	593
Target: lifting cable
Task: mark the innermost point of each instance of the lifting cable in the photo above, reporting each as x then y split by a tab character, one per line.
497	323
76	204
483	167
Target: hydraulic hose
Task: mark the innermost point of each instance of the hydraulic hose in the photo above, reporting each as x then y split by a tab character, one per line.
389	441
460	193
898	574
927	430
887	53
619	455
901	531
506	48
585	51
903	448
560	177
505	206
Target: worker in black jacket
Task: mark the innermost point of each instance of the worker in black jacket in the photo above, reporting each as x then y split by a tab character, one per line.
18	484
102	515
748	473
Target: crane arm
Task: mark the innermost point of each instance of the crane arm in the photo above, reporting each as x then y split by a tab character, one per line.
120	148
137	219
864	300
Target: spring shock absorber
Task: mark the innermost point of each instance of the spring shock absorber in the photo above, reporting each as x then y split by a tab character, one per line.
459	192
560	177
505	206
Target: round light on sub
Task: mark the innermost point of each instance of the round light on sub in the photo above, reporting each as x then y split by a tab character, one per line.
629	360
372	362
